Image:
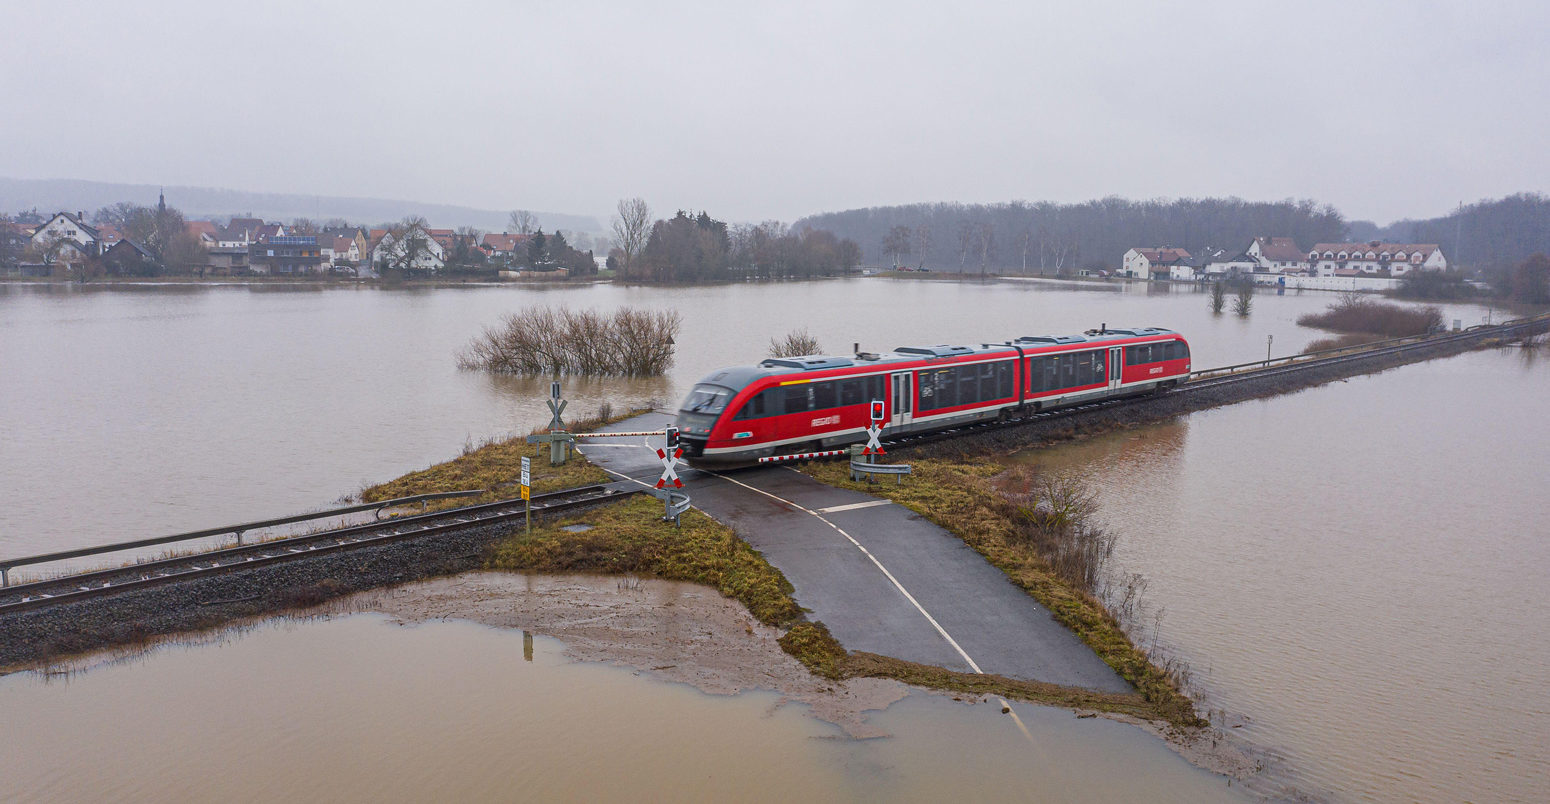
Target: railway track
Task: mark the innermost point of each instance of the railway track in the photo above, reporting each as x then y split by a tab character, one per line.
1198	382
83	586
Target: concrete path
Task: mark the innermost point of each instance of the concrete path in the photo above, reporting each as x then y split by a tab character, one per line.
883	579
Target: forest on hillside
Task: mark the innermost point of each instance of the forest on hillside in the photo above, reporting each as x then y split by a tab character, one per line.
1491	235
1051	238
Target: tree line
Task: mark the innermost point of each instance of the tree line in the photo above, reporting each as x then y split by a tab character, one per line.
693	247
1050	238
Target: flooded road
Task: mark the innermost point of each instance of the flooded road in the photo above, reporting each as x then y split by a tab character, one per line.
358	708
1359	570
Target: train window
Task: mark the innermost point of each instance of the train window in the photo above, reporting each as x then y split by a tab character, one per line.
1004	379
942	388
1136	355
850	392
825	395
1182	352
796	399
754	407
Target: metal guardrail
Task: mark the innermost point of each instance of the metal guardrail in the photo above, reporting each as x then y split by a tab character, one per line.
6	565
1362	347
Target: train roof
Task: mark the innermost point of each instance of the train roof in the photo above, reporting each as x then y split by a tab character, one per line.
739	376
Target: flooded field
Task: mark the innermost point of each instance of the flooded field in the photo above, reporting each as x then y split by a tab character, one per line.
1356	572
137	411
360	708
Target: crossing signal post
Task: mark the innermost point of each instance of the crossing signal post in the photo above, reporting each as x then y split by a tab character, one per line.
558	440
874	431
674	502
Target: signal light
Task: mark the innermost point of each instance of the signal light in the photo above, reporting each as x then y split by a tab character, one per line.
672	437
877	410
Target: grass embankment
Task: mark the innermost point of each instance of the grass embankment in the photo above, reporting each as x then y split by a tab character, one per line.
496	467
629	538
958	496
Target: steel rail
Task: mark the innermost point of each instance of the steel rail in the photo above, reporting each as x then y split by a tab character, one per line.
34	595
1206	382
6	565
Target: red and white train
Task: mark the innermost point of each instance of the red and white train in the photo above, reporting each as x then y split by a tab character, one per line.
787	405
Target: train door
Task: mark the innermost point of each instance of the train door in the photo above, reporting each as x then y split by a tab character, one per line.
1116	365
902	409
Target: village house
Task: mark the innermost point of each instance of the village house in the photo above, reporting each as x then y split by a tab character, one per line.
241	233
341	252
502	248
283	255
392	250
65	226
128	258
1276	255
205	232
1152	263
1375	258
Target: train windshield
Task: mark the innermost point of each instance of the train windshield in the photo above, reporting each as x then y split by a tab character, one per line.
707	398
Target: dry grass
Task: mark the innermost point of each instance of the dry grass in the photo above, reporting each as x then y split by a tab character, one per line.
630	537
1355	313
548	340
1346	341
496	467
960	496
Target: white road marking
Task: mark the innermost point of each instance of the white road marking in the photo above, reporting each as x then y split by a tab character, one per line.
834	509
868	554
1005	706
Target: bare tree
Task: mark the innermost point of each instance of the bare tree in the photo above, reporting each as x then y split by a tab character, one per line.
966	236
113	214
922	243
522	222
631	227
897	243
984	243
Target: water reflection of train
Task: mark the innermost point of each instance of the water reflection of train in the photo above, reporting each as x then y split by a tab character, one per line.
798	404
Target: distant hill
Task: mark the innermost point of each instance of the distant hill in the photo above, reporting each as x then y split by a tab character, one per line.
51	195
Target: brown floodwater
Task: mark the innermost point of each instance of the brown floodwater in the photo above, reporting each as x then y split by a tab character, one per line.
359	708
131	411
1356	573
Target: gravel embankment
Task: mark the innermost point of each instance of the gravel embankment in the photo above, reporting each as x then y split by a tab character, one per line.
30	637
1167	406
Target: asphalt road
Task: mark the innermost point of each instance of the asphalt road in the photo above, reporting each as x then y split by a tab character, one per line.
881	578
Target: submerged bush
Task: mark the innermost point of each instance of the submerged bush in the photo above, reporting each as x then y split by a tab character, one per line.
547	340
1355	313
797	343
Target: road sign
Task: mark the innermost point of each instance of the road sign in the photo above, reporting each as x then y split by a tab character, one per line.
873	445
527	477
669	458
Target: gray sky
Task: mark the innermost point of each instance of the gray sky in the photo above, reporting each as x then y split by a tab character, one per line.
1385	109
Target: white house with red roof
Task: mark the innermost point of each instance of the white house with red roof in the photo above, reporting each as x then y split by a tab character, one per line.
1375	257
1277	255
1152	263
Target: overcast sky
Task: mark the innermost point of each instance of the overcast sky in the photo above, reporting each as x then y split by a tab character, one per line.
759	111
